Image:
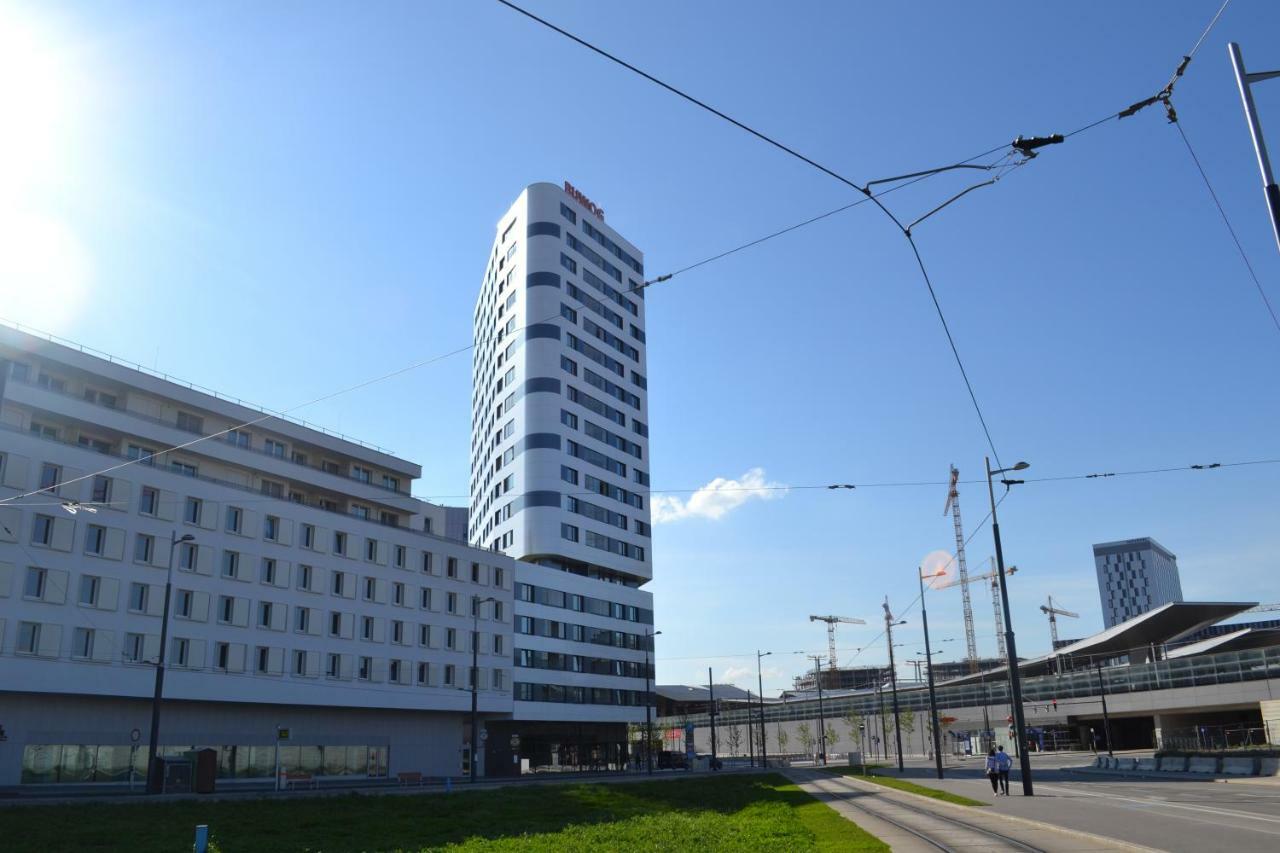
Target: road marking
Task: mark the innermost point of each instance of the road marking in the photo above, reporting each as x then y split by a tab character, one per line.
1167	804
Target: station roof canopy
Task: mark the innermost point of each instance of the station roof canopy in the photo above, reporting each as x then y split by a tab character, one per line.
690	693
1157	627
1245	638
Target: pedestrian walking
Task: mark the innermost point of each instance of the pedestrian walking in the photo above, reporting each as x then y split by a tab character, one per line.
993	771
1003	765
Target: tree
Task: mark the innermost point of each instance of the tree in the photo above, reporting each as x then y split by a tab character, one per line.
833	733
853	720
783	737
908	719
805	732
733	737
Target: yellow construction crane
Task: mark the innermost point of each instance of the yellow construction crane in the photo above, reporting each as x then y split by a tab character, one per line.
831	631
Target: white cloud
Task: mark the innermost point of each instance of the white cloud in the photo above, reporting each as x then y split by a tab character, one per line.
717	498
732	674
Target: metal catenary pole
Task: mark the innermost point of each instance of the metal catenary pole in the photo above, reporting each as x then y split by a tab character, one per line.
1244	80
933	696
893	681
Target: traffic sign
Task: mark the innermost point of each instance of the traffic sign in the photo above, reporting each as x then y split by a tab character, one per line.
484	734
515	741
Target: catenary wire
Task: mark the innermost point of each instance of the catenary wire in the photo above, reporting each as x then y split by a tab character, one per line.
1227	222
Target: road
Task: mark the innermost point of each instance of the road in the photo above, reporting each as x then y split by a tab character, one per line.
1171	814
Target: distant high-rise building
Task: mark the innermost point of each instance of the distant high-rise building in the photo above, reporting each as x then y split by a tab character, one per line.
1134	576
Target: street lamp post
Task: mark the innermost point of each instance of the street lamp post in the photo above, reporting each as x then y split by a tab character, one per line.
928	665
764	752
822	726
1015	680
155	784
893	677
648	701
475	683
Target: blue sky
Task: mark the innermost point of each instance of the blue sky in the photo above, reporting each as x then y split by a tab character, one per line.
281	200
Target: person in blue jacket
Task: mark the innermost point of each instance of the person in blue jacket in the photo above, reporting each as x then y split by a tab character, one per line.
993	771
1003	765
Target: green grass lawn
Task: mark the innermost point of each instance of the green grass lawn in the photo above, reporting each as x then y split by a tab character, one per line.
904	785
737	812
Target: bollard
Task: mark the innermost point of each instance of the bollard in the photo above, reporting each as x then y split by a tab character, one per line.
202	839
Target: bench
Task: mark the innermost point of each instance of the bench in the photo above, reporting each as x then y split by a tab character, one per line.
304	779
412	777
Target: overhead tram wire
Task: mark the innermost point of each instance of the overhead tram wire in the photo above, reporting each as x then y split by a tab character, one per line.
864	189
1230	229
1099	475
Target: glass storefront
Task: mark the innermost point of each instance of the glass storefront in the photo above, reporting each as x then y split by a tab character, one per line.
79	763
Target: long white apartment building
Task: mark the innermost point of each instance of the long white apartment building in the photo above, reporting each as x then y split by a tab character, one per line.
559	469
317	594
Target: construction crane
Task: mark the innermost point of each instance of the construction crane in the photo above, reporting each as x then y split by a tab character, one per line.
831	631
1054	613
995	599
953	506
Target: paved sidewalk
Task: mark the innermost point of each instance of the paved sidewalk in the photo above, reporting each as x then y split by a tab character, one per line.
910	823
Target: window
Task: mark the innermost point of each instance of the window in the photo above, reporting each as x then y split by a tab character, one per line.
422	673
425	598
186	469
569	419
50	476
397	593
183	603
426	562
273	448
451	602
264	659
95	539
451	568
235	518
364	475
449	676
101	490
28	638
365	670
36	581
191	511
370	588
181	651
568	474
138	596
424	635
89	588
330	467
298	457
43	430
301	619
188	422
339	542
335	623
226	609
187	555
221	655
397	631
230	564
497	611
360	511
144	548
399	556
272	489
268	570
264	614
497	644
450	638
270	528
134	644
569	532
145	455
308	536
95	444
389	482
333	667
304	577
82	643
338	582
239	438
498	576
299	663
371	549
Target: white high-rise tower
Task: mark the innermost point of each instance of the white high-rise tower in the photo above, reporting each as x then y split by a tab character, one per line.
560	436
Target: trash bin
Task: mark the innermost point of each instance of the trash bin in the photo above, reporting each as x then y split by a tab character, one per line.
174	773
206	761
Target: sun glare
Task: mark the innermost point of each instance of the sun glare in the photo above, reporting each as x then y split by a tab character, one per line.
44	268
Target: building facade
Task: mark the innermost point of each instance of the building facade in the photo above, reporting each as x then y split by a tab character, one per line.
559	467
316	594
1134	576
